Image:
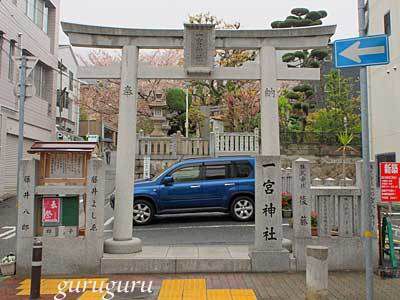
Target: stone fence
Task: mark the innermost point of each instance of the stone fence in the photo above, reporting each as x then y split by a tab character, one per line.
327	214
233	143
171	147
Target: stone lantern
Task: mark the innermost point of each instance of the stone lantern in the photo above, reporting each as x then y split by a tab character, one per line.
158	107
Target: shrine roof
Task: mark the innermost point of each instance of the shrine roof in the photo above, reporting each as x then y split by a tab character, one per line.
62	147
158	103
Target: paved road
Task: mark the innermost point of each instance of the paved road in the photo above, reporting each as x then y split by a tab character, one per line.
8	221
214	229
193	229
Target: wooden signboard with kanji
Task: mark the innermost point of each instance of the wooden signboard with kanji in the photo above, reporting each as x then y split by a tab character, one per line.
63	163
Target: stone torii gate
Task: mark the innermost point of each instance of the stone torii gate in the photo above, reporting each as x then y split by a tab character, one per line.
199	43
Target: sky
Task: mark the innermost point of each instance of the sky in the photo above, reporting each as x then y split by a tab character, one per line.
171	14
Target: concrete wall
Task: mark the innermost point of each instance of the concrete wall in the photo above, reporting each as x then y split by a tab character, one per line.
39	113
384	88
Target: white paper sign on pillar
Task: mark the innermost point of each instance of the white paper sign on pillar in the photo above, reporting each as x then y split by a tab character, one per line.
146	167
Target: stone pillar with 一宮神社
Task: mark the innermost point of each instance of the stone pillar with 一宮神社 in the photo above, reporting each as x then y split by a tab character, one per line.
268	254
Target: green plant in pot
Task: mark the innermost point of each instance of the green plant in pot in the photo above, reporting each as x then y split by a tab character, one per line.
314	223
287	211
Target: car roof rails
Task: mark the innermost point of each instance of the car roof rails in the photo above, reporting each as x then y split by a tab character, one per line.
198	157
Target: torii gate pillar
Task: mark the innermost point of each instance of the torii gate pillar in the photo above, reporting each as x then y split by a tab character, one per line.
268	253
123	241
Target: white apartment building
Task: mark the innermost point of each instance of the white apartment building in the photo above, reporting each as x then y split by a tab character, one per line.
38	22
68	86
384	83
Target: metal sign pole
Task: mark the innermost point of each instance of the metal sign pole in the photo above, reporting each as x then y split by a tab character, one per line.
367	207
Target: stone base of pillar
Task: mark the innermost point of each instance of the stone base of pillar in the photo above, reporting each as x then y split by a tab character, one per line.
270	261
112	246
317	273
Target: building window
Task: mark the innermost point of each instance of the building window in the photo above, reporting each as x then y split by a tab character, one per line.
71	81
38	12
388	24
46	19
38	78
1	49
11	63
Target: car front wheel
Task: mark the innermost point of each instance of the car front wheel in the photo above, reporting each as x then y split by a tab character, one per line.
242	209
143	212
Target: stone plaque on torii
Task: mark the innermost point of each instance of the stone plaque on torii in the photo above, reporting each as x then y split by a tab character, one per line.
199	49
199	43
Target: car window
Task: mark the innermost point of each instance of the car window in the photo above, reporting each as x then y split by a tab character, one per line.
214	172
186	174
243	169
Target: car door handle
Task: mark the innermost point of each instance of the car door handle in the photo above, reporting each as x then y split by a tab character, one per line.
194	186
229	184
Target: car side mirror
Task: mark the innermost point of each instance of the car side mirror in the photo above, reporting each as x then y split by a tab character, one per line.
168	180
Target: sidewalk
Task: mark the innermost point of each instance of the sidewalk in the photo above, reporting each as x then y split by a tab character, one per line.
240	286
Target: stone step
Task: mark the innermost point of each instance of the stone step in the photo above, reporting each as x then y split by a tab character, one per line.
179	259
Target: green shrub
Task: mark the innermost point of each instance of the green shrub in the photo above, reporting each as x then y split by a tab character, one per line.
299	11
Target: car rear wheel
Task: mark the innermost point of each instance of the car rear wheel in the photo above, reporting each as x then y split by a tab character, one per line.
143	212
242	209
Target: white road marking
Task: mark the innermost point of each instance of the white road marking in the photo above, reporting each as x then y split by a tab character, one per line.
9	233
108	222
10	236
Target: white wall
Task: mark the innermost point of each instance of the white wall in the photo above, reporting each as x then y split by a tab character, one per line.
384	83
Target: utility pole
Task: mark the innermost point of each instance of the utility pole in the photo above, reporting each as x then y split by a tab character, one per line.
368	206
21	119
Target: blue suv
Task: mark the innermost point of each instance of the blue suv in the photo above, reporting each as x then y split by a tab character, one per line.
224	184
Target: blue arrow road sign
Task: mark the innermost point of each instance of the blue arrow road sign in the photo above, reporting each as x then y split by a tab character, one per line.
361	52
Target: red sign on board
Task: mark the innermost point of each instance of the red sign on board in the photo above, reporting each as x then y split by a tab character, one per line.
390	182
51	210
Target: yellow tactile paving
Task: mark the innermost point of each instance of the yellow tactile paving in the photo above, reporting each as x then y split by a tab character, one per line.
90	295
171	290
51	286
196	289
237	294
219	295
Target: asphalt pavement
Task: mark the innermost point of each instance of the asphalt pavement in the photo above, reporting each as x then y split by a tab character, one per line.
8	221
193	229
188	229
